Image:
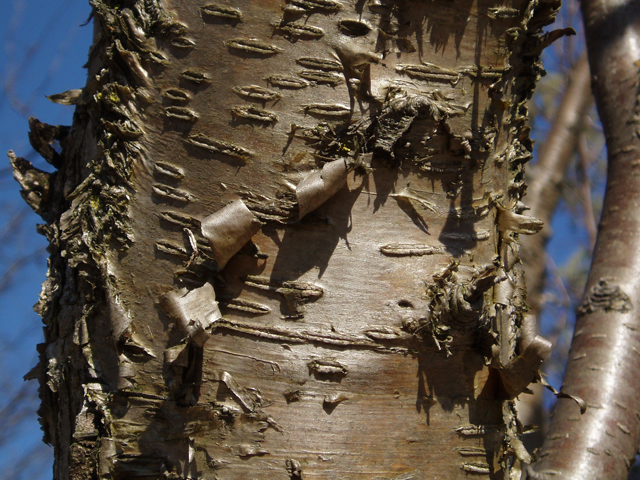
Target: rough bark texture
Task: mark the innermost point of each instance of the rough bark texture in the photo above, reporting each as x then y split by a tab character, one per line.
284	239
605	353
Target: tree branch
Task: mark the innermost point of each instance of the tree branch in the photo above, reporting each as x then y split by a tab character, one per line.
604	360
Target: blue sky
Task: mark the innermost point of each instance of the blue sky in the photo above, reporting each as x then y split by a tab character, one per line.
42	52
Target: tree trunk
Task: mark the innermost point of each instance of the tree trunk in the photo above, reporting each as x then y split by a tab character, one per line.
284	239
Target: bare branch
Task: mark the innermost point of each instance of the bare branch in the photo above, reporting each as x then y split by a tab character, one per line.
604	360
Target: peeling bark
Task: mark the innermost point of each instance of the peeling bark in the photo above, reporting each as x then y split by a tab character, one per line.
284	242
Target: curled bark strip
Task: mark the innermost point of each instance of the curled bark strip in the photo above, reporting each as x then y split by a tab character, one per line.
528	331
35	183
550	37
238	392
132	60
193	311
42	136
318	187
228	230
124	129
509	221
70	97
523	369
401	109
177	356
607	297
560	394
126	370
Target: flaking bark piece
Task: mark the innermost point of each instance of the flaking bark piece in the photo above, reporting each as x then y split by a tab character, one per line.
401	109
228	230
42	135
193	311
70	97
239	393
35	184
522	370
509	221
177	355
560	394
318	187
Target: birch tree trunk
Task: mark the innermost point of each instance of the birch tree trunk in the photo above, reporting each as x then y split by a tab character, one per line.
284	241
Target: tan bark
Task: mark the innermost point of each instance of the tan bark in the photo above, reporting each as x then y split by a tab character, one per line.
285	242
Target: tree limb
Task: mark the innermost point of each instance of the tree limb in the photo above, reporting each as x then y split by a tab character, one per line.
604	357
